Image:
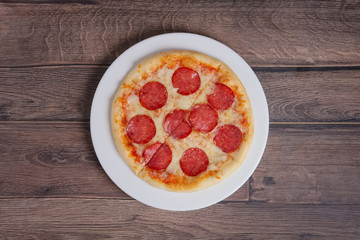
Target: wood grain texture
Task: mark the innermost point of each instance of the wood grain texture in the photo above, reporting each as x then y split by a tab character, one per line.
309	164
114	219
51	160
66	92
57	160
306	55
264	33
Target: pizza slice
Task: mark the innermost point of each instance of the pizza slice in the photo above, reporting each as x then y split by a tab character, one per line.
223	114
193	165
183	73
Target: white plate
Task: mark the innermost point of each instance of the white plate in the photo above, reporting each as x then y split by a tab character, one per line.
118	170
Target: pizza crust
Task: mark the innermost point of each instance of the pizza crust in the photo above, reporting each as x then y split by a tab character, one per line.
157	68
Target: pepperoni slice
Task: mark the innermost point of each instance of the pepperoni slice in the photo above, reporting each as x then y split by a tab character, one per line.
182	131
186	80
176	125
141	129
194	161
173	120
153	95
203	118
222	98
149	151
228	138
157	156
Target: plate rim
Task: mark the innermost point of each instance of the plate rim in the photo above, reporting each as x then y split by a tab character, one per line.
153	196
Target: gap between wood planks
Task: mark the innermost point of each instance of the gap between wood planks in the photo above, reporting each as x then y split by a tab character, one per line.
270	68
88	122
225	201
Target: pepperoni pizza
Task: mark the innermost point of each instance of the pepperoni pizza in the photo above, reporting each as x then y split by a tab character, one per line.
182	121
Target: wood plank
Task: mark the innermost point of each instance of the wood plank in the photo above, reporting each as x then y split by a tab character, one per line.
66	92
312	96
57	160
48	93
309	164
45	160
263	32
110	218
51	160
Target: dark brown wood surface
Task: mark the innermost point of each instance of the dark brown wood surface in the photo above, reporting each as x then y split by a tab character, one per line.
306	55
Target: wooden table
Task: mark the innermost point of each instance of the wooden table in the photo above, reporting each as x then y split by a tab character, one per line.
306	55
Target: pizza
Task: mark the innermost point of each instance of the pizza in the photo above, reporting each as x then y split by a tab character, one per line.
182	121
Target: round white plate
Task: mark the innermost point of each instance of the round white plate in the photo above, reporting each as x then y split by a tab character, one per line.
104	145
